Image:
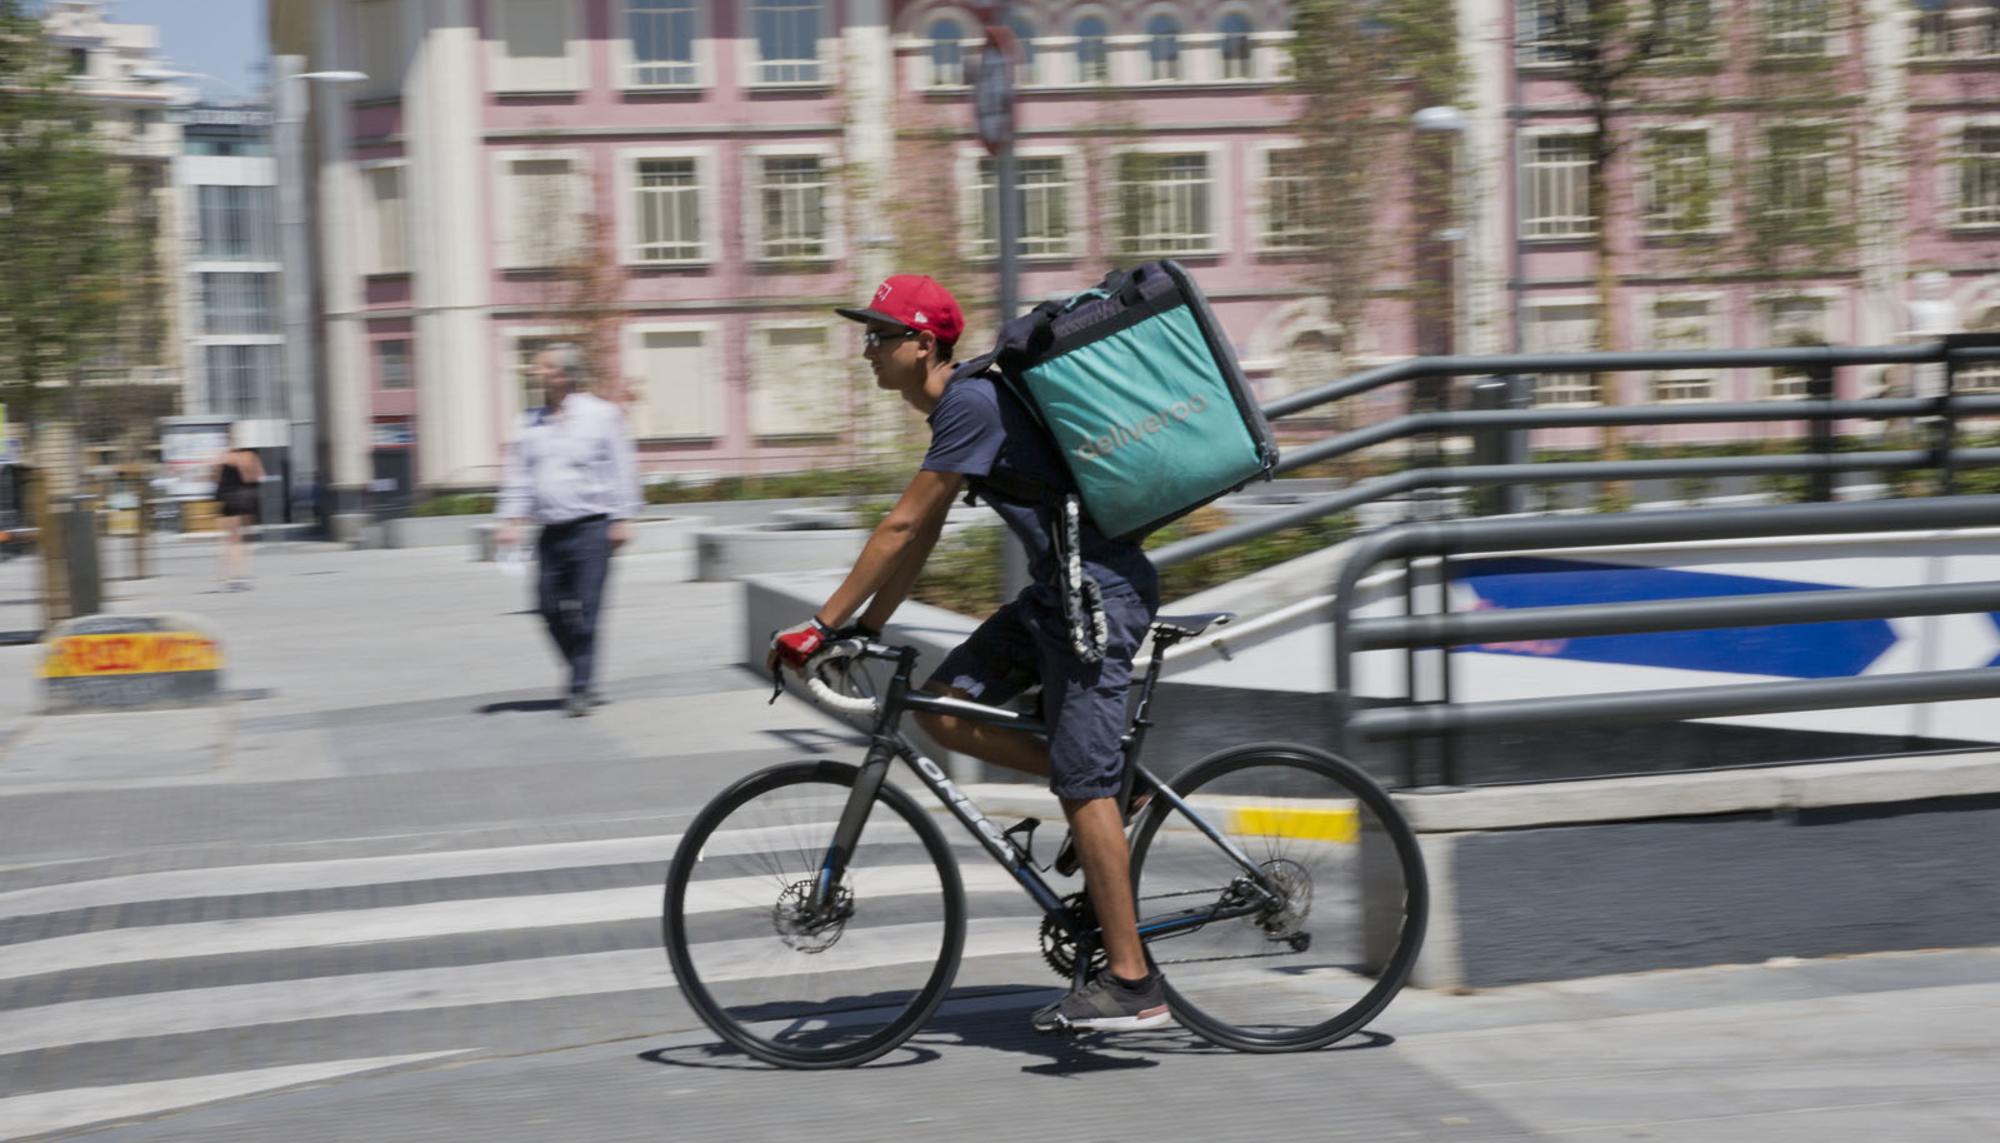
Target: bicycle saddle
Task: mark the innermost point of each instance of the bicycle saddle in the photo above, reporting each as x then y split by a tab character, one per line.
1189	626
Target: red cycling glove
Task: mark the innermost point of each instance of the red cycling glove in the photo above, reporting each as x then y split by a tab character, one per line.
794	645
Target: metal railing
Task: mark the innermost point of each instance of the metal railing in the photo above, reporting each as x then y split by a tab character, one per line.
1440	541
1819	409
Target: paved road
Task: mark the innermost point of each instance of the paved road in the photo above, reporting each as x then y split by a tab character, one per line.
389	893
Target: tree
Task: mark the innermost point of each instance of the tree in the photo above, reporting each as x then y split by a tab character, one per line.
1361	68
66	247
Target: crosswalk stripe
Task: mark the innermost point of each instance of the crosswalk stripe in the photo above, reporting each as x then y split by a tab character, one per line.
367	994
408	922
301	876
46	1111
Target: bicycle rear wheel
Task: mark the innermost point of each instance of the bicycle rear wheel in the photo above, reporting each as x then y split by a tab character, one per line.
1325	958
794	986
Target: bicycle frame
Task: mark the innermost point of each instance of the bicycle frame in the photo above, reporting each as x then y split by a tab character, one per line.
887	743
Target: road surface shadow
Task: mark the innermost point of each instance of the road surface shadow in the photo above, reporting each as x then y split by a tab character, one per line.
999	1022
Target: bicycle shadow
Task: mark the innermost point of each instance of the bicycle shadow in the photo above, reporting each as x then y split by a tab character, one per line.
998	1021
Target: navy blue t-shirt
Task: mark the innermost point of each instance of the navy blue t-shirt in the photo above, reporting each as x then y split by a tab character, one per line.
981	431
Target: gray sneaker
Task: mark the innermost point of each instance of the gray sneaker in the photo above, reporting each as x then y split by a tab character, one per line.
576	705
1107	1004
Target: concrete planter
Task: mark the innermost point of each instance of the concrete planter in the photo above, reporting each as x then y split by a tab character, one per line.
802	543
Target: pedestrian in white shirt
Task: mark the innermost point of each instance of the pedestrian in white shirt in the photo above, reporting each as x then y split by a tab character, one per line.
574	472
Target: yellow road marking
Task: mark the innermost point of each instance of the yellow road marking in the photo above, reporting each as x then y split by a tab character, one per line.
1342	825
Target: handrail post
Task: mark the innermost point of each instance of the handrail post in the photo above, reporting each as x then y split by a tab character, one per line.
1946	429
1819	387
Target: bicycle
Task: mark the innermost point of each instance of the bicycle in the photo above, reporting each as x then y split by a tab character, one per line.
847	887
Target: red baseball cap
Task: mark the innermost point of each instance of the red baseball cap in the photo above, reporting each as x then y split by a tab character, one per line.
913	301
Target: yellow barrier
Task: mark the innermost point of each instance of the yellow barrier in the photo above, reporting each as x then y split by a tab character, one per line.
1343	825
138	653
200	516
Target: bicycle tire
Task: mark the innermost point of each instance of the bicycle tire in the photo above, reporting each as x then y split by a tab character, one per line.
1199	987
871	1028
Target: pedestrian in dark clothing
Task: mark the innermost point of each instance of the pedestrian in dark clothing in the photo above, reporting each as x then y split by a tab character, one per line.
574	472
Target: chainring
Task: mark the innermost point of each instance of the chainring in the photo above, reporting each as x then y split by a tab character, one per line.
1059	946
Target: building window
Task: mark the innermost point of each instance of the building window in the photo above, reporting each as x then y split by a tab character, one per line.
1093	57
787	41
238	377
947	54
1678	192
1686	29
1311	360
1683	324
1556	197
668	207
236	224
388	240
1931	39
1165	204
392	364
661	34
1288	223
1562	327
1550	31
1024	34
534	46
1978	181
791	196
1797	27
1794	323
79	61
238	303
1163	48
1798	176
1043	192
542	198
679	391
1238	55
795	389
378	47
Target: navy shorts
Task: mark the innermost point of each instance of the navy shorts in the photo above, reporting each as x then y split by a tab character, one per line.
1026	642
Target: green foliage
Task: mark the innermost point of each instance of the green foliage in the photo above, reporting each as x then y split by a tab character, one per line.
879	481
459	504
1361	68
67	248
963	573
1199	574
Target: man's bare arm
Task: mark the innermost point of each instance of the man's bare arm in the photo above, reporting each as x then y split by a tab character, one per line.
895	553
891	594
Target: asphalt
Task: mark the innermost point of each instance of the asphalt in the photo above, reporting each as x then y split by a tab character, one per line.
387	891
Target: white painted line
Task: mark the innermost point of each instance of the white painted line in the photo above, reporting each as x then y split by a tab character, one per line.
46	1111
443	918
118	1018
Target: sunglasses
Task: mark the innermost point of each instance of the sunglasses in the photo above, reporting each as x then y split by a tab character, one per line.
874	340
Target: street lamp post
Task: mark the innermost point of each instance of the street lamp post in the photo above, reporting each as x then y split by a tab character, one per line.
291	95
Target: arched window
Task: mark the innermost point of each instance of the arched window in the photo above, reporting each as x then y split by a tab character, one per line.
1024	74
1165	48
1311	360
1093	60
1237	61
947	54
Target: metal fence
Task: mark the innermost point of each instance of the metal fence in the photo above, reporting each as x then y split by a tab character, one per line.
1938	415
1503	430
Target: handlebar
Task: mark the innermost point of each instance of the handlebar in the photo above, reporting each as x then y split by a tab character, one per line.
836	652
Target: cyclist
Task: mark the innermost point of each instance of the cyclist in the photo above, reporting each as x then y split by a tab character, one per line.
982	436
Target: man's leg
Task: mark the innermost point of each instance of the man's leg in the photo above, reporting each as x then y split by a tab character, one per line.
590	564
1099	832
551	573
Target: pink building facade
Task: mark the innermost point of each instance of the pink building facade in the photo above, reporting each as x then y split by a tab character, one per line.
1791	172
729	170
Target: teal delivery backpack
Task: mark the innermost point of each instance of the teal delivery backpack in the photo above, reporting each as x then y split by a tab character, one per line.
1143	395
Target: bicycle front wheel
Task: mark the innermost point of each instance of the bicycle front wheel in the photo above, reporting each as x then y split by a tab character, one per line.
1326	954
804	984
